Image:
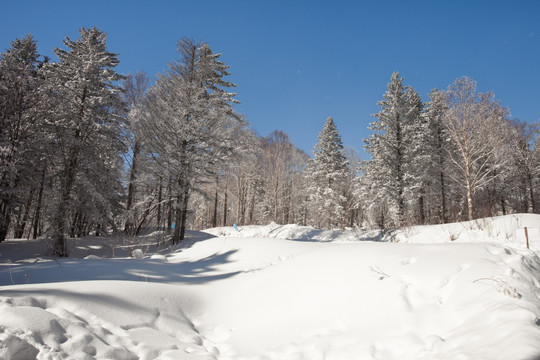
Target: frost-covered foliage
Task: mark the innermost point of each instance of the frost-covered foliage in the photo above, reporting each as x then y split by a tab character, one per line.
188	122
456	157
84	129
134	88
398	154
82	151
328	173
477	126
19	127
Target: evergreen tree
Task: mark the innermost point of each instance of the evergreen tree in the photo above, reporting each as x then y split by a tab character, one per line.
19	127
517	186
189	124
439	181
328	172
417	156
393	172
84	126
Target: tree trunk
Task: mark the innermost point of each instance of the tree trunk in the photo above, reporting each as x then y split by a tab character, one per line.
252	206
443	211
23	218
214	218
421	216
75	224
469	202
5	219
531	193
37	214
181	216
160	199
128	228
276	188
59	224
169	207
241	203
225	207
184	215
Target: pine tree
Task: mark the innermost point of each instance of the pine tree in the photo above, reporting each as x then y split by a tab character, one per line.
328	172
84	127
394	172
517	185
189	124
417	157
434	112
19	128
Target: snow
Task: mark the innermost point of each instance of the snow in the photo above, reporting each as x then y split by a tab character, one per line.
456	291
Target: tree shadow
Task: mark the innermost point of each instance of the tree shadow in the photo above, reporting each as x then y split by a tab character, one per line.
385	235
100	300
20	249
196	271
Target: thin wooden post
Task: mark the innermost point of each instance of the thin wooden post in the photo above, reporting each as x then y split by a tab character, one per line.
526	237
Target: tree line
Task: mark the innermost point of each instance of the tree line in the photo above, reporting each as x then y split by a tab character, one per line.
457	157
84	149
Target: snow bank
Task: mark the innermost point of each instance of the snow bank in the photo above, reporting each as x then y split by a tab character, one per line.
327	296
290	231
506	230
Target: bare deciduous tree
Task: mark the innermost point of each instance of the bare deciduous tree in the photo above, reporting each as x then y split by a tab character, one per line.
476	125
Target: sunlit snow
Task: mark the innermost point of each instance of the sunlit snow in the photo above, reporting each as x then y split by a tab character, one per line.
457	291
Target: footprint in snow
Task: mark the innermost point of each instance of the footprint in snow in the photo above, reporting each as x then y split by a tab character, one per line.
408	261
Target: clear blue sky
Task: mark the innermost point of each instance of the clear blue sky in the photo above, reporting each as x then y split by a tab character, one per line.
298	62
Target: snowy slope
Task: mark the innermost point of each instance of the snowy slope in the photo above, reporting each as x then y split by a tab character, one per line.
261	295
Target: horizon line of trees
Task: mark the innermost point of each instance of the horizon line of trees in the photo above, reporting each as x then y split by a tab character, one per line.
84	149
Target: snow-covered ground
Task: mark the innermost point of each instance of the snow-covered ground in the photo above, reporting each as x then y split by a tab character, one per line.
456	291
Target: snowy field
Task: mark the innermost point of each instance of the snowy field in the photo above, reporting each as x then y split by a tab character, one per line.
457	291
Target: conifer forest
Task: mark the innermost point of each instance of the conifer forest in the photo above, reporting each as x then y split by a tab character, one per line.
85	149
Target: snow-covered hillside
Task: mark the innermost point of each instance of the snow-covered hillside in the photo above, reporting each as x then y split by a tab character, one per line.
457	291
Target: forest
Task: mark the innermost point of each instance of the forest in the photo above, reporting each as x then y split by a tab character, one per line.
84	149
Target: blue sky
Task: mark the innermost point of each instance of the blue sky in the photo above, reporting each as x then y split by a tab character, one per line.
298	62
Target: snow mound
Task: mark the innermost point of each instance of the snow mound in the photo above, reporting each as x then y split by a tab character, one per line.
289	231
507	230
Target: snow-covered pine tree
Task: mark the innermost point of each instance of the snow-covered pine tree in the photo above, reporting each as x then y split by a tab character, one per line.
19	130
188	122
387	172
515	190
434	113
84	125
328	173
417	155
